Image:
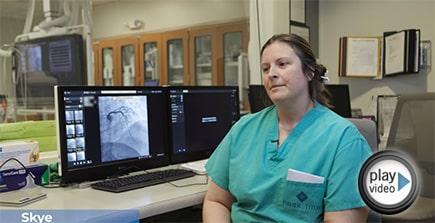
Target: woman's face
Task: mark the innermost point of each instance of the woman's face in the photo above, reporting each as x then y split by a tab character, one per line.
283	77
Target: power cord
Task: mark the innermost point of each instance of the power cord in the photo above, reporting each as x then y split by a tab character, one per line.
22	165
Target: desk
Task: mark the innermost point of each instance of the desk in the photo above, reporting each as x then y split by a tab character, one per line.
150	201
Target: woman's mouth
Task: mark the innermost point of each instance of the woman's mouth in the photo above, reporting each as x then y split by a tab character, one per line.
275	86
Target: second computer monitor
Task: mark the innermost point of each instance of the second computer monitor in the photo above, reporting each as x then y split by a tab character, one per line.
200	117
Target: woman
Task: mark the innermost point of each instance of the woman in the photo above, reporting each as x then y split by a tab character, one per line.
296	161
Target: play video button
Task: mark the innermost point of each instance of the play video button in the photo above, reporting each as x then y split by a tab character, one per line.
402	181
388	182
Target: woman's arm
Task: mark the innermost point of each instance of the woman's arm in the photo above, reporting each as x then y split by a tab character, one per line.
217	204
352	215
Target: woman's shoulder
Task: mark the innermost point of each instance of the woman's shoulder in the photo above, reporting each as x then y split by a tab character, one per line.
257	118
332	121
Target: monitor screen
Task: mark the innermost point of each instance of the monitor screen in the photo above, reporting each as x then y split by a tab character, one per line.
340	99
258	98
200	118
105	130
45	62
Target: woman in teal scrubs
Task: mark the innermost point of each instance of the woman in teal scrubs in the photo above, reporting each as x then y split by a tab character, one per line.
296	161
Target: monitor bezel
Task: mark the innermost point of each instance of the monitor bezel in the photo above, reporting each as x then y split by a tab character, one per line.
197	155
102	171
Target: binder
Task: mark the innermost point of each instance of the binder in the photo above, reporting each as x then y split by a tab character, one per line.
401	52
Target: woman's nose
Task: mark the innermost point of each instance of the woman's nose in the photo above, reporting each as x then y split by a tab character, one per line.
272	73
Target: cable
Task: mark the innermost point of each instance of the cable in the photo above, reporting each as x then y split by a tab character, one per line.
21	164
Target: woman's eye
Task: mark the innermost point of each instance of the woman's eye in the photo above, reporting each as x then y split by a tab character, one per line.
282	64
265	69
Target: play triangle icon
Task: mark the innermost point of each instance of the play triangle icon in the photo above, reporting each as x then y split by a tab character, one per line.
403	181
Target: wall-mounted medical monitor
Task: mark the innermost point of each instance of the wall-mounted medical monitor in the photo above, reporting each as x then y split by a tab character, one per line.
200	117
45	62
105	131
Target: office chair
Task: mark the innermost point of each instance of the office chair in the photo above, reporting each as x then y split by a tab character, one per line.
367	128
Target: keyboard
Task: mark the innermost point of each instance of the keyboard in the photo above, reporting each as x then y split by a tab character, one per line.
132	182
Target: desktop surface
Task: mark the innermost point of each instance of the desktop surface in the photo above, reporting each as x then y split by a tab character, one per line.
150	201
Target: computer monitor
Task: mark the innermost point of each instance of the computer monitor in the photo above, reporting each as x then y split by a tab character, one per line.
200	118
104	131
340	99
45	62
258	98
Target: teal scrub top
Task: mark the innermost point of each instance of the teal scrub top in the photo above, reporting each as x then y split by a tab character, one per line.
249	165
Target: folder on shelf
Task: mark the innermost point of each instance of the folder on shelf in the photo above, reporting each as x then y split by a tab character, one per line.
401	52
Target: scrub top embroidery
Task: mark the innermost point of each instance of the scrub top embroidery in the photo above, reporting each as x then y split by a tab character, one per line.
249	165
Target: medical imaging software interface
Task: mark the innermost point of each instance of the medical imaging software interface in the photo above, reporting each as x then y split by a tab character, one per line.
200	118
106	126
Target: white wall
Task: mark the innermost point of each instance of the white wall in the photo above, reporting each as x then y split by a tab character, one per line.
266	18
372	18
158	15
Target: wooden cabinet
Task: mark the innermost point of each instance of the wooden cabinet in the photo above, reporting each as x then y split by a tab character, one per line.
175	58
96	62
150	59
205	55
117	62
214	52
234	40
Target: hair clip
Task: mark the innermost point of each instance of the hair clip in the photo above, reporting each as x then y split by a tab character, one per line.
324	79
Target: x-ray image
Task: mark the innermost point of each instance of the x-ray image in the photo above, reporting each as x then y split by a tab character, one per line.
70	131
69	116
78	115
123	127
71	144
81	155
72	157
80	142
79	130
89	101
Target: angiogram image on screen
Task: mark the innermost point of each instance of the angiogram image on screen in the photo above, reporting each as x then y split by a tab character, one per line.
123	127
